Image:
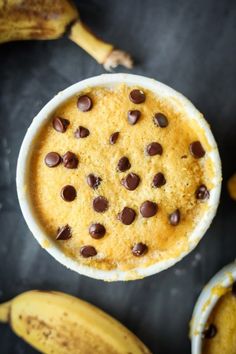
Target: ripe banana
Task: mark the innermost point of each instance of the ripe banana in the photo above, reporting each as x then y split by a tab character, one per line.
54	322
47	19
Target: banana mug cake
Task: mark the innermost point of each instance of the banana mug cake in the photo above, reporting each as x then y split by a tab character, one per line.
120	177
220	332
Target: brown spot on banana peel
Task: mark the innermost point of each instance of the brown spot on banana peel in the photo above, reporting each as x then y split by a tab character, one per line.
41	19
59	333
41	9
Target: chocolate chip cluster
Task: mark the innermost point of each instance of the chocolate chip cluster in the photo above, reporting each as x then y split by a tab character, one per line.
131	181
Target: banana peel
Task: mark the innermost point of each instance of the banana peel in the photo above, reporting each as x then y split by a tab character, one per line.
54	322
48	20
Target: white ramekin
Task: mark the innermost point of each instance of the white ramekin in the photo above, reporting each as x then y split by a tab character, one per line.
206	302
111	80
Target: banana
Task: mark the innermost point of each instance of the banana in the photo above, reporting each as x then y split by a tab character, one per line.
54	322
47	19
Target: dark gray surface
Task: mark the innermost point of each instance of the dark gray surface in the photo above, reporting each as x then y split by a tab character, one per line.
189	45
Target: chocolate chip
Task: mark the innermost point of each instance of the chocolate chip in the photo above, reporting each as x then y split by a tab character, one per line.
139	249
158	180
154	149
68	193
84	103
174	218
234	289
100	204
131	181
133	116
97	231
70	160
93	181
202	192
148	209
123	164
88	251
113	138
160	120
64	233
210	332
60	124
52	159
81	132
196	149
127	216
137	96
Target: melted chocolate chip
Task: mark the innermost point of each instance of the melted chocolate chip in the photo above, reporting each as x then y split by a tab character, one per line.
137	96
123	164
160	120
70	160
100	204
113	138
133	116
81	132
234	289
68	193
131	181
210	332
196	149
84	103
148	209
174	218
97	231
154	149
88	251
158	180
93	181
139	249
127	216
64	233
202	193
60	124
52	159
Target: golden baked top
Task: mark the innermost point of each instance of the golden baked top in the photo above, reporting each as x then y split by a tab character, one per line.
119	177
220	332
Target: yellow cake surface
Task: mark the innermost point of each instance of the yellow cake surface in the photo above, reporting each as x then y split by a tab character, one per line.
223	317
183	173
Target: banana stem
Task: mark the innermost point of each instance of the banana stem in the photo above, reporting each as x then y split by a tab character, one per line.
5	309
104	53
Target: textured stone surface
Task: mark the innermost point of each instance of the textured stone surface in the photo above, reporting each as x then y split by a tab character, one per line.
189	45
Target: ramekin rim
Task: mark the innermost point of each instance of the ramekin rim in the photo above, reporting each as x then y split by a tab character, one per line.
206	302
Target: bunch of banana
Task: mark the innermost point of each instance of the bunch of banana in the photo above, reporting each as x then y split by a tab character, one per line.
54	322
47	19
